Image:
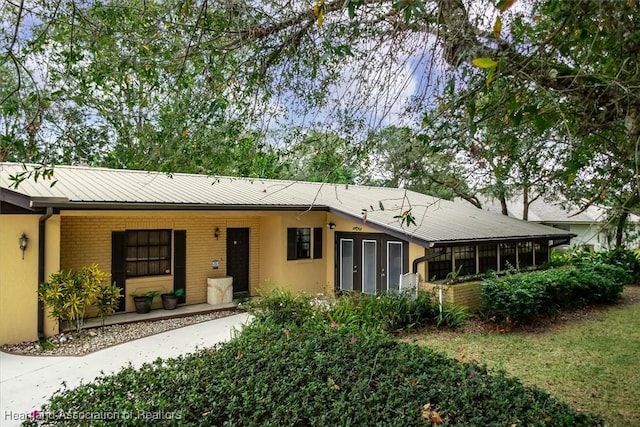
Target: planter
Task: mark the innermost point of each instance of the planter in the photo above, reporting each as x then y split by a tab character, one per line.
143	304
219	290
169	302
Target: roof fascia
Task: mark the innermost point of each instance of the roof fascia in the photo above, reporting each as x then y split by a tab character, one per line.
16	199
504	239
390	231
64	204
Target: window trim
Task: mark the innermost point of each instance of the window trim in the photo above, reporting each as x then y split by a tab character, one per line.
315	243
167	261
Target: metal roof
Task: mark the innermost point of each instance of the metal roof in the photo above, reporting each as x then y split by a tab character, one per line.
438	221
549	211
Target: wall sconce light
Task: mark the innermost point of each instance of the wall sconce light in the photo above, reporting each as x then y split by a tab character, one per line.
216	233
331	225
23	241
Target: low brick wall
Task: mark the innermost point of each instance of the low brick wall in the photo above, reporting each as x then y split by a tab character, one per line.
467	293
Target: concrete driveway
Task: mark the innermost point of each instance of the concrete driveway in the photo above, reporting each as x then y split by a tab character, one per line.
26	382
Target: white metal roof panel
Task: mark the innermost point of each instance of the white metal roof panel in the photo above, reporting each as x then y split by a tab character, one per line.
437	220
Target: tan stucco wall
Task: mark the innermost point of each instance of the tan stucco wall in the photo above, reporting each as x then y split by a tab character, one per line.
307	275
19	278
51	265
417	251
271	265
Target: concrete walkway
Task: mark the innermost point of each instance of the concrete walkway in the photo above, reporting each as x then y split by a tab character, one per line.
26	382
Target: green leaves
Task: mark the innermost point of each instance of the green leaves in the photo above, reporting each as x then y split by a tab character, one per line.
484	63
523	297
497	27
352	6
410	8
316	374
69	293
406	218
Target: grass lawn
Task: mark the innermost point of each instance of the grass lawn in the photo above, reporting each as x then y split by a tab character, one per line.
591	360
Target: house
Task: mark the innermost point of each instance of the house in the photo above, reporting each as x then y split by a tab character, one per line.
590	227
154	231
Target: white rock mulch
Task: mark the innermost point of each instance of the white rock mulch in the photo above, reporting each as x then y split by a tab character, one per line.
94	339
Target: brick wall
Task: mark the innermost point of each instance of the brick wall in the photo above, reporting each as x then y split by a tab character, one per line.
467	294
87	239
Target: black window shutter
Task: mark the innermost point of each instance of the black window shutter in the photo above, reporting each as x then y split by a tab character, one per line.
118	265
180	262
291	243
317	243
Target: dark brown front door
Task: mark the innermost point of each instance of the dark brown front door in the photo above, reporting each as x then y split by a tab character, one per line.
238	258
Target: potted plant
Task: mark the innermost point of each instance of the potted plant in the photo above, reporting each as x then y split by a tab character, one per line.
143	302
170	299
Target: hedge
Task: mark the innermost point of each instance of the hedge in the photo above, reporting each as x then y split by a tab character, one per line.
522	297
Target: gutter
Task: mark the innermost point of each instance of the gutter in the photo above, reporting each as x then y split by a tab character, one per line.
61	203
41	254
476	241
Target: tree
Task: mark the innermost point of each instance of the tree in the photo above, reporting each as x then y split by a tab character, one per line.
124	93
579	56
505	155
323	157
405	159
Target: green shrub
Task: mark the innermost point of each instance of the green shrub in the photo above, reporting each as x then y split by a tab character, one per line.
389	312
627	259
522	297
452	316
107	300
604	283
68	294
622	257
281	307
314	375
512	298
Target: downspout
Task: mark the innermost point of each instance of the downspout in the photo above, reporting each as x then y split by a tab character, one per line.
41	254
427	257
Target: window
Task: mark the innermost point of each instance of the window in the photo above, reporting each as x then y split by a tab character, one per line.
465	257
395	265
299	243
488	258
525	254
346	264
508	256
440	266
148	252
541	250
369	266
